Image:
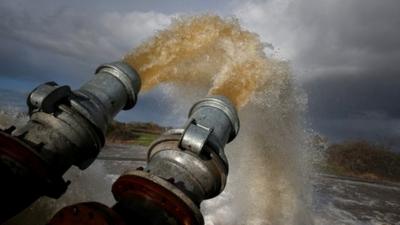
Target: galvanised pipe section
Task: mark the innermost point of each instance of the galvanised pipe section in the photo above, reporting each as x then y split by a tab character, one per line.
115	87
185	167
71	125
65	128
200	162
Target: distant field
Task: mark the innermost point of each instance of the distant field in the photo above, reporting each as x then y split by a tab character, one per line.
141	138
363	160
133	133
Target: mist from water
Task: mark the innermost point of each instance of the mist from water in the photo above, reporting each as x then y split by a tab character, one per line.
269	160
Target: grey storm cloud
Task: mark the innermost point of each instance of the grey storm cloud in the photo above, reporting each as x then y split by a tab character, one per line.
353	56
354	35
58	38
353	60
350	96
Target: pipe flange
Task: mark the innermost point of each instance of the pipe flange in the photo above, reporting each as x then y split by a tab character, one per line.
140	185
224	104
127	76
23	156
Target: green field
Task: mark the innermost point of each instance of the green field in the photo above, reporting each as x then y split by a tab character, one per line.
133	133
142	138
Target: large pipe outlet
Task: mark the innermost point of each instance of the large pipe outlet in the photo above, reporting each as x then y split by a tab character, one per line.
185	166
65	128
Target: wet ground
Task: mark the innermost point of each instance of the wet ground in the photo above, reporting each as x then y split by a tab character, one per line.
339	200
336	200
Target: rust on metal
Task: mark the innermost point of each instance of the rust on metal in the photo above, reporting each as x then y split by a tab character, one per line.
88	213
137	188
13	148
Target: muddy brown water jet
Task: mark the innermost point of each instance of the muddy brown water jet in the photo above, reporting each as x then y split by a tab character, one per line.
206	50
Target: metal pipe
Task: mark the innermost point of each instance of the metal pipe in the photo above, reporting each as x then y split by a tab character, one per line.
65	128
185	167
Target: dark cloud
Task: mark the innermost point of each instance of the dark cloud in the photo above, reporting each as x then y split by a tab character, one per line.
68	38
340	96
355	34
363	106
353	59
27	63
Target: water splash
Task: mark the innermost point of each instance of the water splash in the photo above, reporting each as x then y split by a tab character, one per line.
268	180
206	50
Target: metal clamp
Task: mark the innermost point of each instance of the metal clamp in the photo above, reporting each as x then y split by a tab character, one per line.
195	137
46	96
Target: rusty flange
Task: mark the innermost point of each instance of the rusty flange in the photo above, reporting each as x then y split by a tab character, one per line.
24	176
145	192
12	148
23	161
88	213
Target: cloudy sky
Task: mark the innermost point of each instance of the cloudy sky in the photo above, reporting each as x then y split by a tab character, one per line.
345	53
